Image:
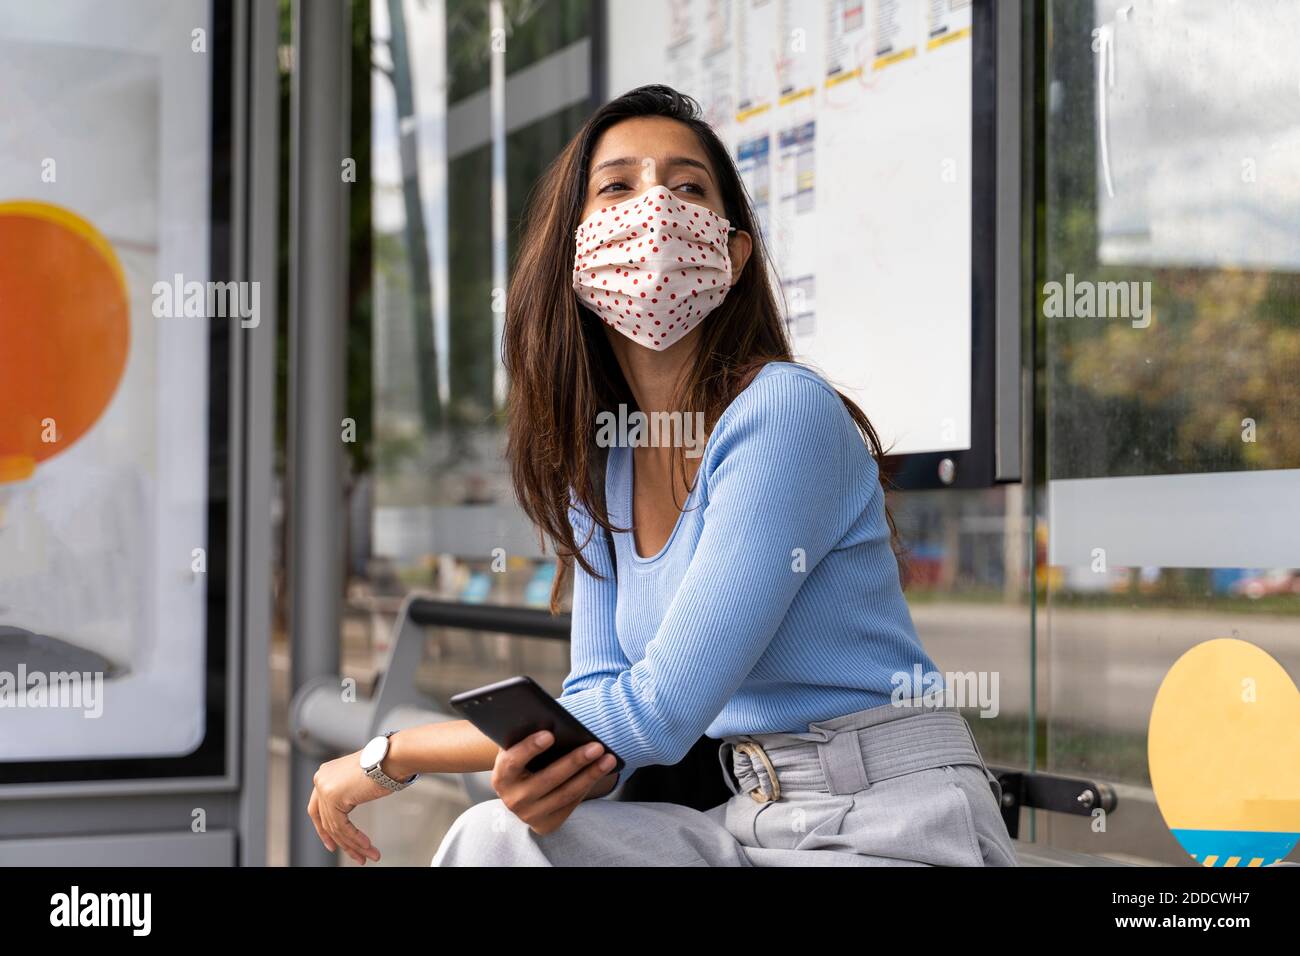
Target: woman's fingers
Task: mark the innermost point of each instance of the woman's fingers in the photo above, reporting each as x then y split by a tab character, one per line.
545	799
549	778
512	762
313	811
572	791
348	832
514	773
351	849
360	840
550	813
327	827
345	833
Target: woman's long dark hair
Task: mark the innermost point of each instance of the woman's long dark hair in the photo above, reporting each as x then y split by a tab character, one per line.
561	368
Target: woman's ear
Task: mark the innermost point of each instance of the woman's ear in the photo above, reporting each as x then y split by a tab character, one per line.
739	246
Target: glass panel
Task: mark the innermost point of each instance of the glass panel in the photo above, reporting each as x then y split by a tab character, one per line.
443	501
468	52
967	568
535	29
442	497
539	28
443	517
1169	315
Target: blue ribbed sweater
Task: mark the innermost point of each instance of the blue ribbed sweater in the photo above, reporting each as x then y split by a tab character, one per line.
774	603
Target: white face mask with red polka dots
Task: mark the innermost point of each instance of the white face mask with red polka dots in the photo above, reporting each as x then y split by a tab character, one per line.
652	266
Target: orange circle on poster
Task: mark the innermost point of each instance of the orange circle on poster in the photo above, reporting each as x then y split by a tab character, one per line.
64	332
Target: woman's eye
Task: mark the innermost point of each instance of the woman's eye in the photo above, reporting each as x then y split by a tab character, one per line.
699	190
608	186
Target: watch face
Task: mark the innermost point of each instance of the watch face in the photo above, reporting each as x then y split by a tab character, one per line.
374	752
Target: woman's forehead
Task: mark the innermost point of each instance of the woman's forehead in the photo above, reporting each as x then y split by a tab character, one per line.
649	139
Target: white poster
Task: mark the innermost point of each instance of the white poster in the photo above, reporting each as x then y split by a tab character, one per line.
104	191
852	133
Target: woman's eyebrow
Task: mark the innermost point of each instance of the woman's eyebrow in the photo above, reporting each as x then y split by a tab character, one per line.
633	161
688	161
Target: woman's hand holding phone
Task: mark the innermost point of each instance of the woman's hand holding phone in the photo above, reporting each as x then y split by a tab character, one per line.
545	799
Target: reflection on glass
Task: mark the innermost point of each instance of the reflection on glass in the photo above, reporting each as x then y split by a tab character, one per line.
966	587
444	520
1169	215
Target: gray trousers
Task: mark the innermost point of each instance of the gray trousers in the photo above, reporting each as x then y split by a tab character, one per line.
887	786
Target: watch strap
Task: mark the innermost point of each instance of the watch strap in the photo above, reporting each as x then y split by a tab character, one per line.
384	780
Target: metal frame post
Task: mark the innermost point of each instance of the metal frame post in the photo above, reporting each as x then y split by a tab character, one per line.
317	342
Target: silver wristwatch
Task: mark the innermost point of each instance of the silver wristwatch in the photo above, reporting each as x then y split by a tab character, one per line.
372	756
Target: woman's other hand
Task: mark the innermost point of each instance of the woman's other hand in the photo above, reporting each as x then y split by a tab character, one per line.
340	786
545	799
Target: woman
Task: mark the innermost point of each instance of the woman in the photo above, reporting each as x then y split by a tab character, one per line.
738	581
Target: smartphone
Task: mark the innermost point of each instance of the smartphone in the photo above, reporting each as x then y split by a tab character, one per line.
510	710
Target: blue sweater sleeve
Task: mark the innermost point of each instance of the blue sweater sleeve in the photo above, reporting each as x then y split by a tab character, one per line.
594	650
773	508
